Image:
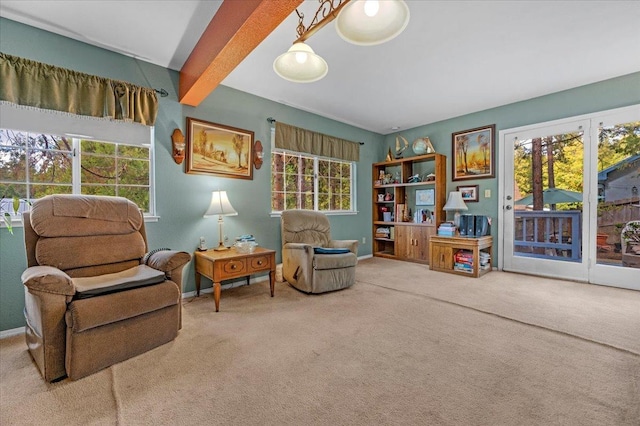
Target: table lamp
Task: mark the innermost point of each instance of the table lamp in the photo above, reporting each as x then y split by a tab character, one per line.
455	203
220	206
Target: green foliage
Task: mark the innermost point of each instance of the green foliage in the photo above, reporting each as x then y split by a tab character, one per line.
293	178
34	165
614	145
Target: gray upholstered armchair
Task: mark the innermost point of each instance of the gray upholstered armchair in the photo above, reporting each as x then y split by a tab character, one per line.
94	294
305	233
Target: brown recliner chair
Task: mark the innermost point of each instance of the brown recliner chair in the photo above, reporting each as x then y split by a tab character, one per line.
311	261
94	296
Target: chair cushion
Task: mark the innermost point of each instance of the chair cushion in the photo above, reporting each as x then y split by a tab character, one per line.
327	250
334	261
140	276
66	215
94	312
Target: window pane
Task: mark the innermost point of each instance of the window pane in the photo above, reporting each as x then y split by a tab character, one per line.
39	191
98	169
133	172
323	168
335	169
277	162
12	164
307	202
323	202
291	202
50	166
10	190
130	151
139	195
100	148
291	183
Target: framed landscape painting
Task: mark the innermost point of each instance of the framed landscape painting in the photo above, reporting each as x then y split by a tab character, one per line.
219	150
473	153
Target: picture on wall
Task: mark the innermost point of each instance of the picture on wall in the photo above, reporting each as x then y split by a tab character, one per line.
469	193
473	153
219	150
425	197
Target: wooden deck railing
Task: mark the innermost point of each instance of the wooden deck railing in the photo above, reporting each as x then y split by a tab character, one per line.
548	234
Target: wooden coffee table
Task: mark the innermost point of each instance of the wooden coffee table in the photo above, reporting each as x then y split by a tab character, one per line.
225	265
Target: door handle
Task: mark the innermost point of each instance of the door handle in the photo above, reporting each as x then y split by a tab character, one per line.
508	207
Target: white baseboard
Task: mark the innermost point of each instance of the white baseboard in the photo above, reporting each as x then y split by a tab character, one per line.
226	286
12	332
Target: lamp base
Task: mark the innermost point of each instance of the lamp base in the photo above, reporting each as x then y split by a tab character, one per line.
221	247
456	219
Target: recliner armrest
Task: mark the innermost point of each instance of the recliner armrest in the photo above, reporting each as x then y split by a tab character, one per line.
48	279
352	245
168	261
298	246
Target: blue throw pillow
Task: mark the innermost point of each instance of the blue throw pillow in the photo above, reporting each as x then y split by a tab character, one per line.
325	250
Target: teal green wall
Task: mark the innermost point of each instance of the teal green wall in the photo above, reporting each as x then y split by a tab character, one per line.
183	198
615	93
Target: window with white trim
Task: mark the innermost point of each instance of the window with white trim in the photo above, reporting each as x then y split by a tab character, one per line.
303	181
33	165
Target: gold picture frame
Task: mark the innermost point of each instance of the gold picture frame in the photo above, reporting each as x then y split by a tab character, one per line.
219	150
473	153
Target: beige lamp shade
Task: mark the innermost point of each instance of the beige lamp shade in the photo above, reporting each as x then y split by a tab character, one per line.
371	22
455	203
300	64
220	205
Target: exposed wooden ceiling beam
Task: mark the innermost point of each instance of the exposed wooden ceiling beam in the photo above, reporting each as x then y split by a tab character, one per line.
237	28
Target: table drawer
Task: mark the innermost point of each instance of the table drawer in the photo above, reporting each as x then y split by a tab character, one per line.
259	263
234	266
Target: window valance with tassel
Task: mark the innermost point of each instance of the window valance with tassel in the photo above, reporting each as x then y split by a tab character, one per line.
301	140
30	83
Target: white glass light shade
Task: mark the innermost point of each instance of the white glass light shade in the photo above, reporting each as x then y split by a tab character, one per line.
220	205
300	64
455	202
360	22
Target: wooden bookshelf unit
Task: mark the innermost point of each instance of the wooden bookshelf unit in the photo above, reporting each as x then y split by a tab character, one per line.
407	240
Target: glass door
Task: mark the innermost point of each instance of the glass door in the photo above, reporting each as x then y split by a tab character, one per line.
544	202
570	203
616	221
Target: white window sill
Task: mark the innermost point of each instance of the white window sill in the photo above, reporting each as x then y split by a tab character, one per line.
331	213
16	222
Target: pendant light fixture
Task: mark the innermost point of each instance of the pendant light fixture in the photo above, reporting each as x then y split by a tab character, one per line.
300	64
371	22
361	22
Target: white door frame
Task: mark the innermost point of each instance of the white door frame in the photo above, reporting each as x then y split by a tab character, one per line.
599	274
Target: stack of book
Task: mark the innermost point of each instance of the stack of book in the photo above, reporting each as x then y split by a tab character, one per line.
447	229
382	233
463	261
485	260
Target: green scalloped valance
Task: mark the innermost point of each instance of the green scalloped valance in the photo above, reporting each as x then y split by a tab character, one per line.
30	83
301	140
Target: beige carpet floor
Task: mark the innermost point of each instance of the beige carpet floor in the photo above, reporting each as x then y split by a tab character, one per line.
404	346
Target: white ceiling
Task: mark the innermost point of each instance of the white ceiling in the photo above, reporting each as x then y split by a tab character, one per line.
454	58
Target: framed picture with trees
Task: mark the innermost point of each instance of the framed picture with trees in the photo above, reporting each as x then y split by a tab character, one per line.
473	153
219	150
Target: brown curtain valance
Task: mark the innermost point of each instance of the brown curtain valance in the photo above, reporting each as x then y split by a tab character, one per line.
301	140
31	83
